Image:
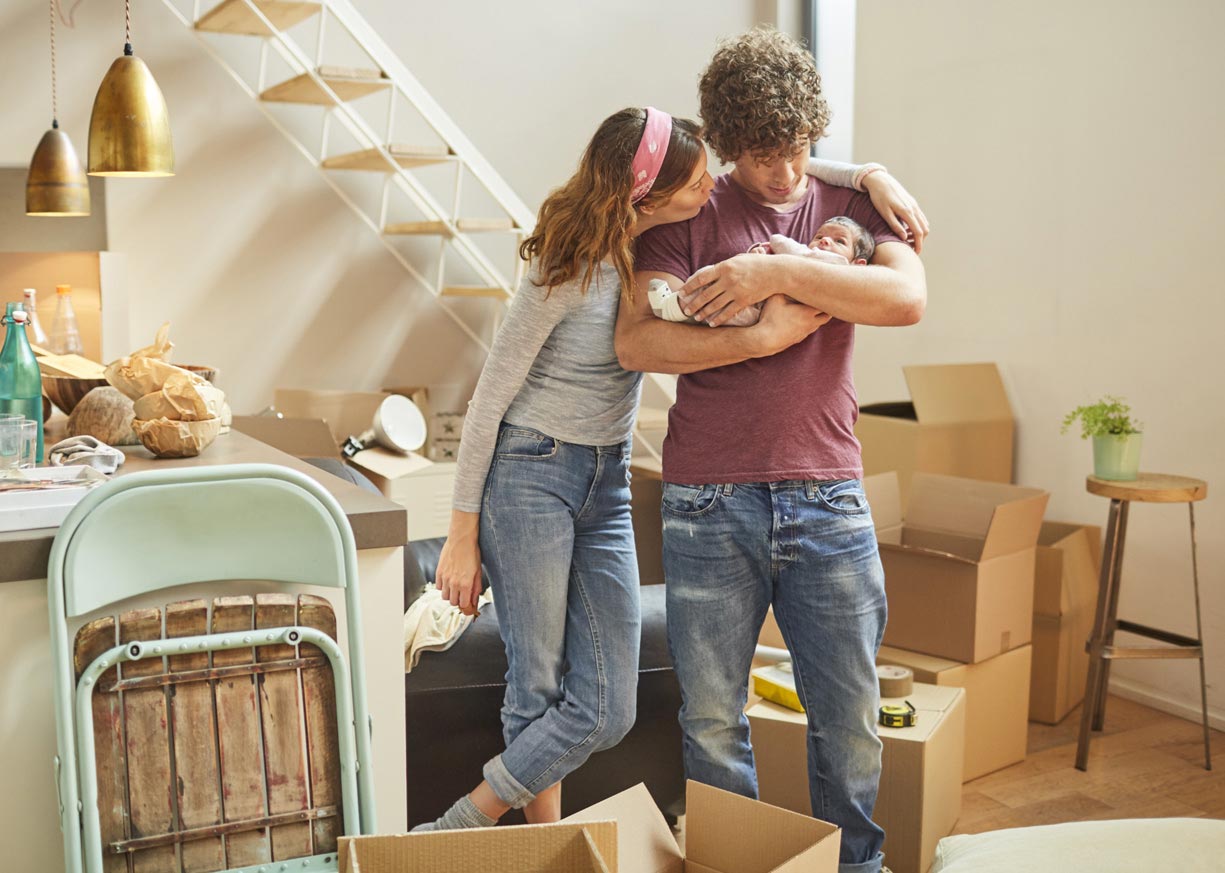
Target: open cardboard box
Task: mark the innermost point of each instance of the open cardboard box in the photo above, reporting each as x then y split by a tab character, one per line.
724	833
997	702
300	437
958	422
919	798
1065	596
347	413
959	565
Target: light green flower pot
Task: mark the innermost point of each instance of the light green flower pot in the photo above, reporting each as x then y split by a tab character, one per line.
1117	457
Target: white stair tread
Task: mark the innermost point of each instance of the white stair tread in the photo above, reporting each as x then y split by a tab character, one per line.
406	156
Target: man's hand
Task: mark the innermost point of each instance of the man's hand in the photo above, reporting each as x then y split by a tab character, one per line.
784	323
716	293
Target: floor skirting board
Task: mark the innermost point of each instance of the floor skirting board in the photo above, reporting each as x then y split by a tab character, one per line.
1151	697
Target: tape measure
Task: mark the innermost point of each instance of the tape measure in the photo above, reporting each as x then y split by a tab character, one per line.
892	716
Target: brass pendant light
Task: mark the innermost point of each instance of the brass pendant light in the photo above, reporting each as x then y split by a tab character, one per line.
129	129
56	183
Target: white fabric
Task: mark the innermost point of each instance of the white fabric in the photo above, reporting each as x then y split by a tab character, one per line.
85	451
433	625
1152	845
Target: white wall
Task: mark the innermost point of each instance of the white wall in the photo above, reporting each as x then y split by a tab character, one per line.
1069	158
261	269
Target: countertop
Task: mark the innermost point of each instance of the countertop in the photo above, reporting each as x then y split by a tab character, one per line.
376	521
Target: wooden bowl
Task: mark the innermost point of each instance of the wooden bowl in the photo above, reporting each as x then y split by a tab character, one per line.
209	373
67	391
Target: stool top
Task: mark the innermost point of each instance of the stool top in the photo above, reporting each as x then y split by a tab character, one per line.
1150	488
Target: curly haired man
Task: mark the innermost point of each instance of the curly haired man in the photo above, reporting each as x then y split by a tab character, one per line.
762	502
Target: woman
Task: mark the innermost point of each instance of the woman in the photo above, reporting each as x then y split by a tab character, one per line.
542	486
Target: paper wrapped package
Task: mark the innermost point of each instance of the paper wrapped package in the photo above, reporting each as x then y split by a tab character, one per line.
161	347
137	376
177	439
182	399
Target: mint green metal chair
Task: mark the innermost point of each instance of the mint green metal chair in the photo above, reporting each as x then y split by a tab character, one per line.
153	530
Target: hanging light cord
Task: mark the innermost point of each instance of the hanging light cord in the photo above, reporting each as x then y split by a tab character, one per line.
127	27
54	107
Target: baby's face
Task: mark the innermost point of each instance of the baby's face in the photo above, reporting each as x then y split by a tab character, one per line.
836	238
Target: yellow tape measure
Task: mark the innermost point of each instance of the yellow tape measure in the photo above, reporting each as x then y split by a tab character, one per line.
898	716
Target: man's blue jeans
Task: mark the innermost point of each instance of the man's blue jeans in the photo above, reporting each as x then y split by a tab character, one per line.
558	542
808	548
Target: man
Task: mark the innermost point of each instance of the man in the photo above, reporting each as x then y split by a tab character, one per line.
762	502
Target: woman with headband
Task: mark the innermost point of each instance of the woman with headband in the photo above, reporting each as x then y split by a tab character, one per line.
542	482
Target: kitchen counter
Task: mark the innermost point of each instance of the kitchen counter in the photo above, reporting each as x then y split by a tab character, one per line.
376	521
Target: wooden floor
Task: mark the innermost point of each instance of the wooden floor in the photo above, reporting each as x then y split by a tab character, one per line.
1145	764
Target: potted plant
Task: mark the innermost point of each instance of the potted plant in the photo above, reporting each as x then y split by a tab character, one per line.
1116	437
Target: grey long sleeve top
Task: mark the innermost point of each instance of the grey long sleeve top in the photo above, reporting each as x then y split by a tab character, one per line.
553	368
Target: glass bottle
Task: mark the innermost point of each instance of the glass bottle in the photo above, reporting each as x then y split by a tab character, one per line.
36	334
65	338
21	383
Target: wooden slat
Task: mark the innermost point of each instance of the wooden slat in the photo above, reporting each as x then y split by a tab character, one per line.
440	228
238	735
234	16
284	732
347	82
407	156
474	291
195	742
319	700
92	640
150	774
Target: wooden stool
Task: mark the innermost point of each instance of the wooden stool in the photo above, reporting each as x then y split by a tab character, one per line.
1149	488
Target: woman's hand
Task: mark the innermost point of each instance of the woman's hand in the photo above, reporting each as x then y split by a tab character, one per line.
899	209
459	565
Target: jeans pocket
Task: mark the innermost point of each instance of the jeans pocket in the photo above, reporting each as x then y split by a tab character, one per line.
844	496
524	443
689	499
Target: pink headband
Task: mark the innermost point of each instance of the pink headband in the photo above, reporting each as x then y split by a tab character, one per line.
651	150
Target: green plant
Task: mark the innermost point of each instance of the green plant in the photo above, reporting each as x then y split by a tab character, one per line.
1108	417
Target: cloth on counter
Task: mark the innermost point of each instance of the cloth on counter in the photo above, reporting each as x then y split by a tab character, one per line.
85	451
432	624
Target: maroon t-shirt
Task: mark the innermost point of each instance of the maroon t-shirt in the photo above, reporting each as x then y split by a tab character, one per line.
789	416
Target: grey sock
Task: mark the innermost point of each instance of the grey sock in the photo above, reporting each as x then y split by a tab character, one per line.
462	814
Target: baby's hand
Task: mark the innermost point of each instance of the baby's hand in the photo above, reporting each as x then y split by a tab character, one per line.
760	249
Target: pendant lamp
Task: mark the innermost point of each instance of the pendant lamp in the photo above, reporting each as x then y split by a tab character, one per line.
56	183
129	129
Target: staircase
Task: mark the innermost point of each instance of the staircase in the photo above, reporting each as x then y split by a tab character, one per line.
433	181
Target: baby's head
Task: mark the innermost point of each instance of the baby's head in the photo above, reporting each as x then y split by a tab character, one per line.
845	236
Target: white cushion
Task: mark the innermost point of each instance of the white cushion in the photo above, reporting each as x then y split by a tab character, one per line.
1145	845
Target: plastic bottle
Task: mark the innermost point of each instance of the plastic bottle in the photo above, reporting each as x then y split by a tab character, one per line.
65	338
21	383
35	334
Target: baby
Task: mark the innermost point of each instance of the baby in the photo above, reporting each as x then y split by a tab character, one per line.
840	240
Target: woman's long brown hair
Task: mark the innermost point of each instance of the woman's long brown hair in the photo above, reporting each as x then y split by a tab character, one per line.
591	217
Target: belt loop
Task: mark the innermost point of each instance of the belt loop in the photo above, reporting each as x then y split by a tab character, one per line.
728	488
810	489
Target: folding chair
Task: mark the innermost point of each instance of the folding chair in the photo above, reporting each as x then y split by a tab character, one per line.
230	736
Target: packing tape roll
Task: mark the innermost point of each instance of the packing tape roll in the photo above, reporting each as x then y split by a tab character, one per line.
895	681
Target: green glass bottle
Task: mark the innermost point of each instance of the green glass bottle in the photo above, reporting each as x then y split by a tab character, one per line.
21	383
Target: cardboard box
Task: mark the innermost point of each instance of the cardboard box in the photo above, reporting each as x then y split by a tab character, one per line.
422	487
724	833
300	437
959	565
554	848
997	702
920	786
958	422
347	413
1065	598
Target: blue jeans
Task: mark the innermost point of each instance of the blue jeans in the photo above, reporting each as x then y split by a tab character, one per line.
558	545
809	549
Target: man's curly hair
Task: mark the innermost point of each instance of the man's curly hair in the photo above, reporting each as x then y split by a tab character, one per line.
761	95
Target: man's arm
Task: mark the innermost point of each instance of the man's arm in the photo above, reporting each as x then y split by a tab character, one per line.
891	291
649	344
